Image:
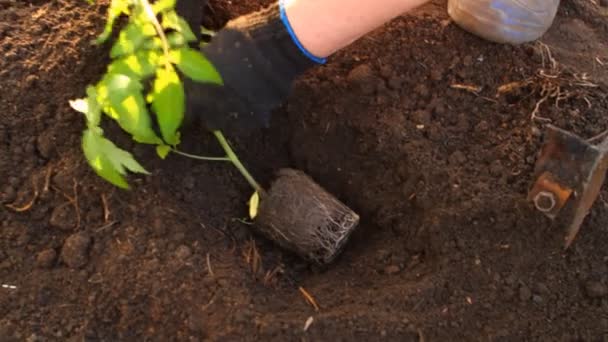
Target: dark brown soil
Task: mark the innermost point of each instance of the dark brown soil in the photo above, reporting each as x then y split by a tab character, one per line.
448	248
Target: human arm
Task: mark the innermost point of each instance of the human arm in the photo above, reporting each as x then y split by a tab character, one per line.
326	26
260	54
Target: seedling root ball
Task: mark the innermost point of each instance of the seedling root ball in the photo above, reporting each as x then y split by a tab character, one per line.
301	216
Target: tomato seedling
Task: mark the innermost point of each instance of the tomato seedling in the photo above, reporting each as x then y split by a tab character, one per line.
149	50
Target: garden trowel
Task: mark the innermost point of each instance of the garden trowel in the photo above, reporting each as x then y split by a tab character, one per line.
569	170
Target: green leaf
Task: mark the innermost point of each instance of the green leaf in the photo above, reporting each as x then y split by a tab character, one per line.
163	5
153	43
139	65
117	7
195	66
254	203
163	151
89	107
109	161
131	38
168	103
173	21
176	39
123	101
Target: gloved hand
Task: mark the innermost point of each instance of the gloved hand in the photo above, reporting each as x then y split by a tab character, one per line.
258	60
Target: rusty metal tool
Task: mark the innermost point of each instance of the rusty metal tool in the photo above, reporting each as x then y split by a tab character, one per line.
568	170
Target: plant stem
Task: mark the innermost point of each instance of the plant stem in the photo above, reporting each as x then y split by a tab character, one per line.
159	29
237	163
194	156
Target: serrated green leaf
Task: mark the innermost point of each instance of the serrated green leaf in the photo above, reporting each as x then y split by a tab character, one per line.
163	5
131	38
172	21
117	7
163	151
140	65
168	103
195	66
254	203
123	101
109	161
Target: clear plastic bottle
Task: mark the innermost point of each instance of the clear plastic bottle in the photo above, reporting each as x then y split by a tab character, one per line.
504	21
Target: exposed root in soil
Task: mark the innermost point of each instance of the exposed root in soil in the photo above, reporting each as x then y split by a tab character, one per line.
209	269
467	87
73	200
309	298
47	180
551	83
253	258
27	206
106	208
270	276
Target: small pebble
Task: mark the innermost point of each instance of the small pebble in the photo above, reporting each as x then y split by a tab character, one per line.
524	293
183	252
382	255
63	218
46	258
467	60
537	299
510	279
74	252
457	158
395	82
363	77
392	269
482	126
496	168
541	288
595	289
422	117
8	194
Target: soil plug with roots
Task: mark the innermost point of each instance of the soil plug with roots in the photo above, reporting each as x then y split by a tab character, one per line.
298	214
301	216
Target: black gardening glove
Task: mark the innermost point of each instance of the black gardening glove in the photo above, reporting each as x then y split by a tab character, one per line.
258	61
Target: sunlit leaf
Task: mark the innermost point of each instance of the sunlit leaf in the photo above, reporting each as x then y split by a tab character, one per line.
139	65
195	66
174	22
254	203
126	104
131	38
163	151
117	7
168	103
176	39
153	43
109	161
163	5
